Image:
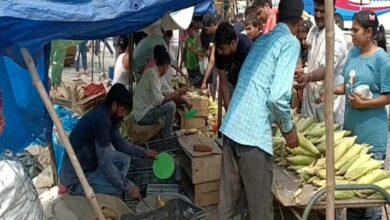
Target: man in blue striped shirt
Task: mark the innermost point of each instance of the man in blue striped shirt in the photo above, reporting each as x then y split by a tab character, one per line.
261	97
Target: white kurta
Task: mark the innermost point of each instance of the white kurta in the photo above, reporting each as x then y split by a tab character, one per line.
313	94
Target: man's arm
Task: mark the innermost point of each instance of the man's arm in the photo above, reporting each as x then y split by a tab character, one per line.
124	146
224	86
210	67
281	86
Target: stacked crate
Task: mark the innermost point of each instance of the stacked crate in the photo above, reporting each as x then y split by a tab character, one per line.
200	170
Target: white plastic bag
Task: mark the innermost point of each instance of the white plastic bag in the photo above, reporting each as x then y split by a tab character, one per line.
18	197
363	91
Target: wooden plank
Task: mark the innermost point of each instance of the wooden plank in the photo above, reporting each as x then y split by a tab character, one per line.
188	142
285	184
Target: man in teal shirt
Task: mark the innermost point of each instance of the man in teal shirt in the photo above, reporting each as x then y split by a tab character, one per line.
261	97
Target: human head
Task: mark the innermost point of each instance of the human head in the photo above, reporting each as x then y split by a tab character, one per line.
319	12
210	24
168	36
366	29
253	26
191	30
290	13
249	10
119	101
302	33
262	9
238	18
226	40
162	58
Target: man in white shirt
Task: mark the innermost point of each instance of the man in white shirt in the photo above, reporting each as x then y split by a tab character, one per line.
312	81
153	97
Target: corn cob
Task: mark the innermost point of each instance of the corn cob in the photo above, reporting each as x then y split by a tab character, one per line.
306	144
300	160
322	182
354	150
376	196
362	170
300	151
322	147
362	158
321	173
309	129
343	147
306	123
343	169
321	162
316	132
345	194
295	167
374	176
278	140
299	122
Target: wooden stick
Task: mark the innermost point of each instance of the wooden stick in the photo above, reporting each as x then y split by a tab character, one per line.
63	137
330	179
53	163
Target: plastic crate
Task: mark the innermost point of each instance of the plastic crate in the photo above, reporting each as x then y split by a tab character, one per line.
174	209
170	145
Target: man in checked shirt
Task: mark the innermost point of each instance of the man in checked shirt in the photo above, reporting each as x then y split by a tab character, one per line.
261	97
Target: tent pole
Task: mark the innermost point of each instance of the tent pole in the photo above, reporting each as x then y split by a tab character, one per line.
63	137
93	54
329	122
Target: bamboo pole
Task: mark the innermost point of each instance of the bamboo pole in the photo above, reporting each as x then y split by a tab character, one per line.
330	179
63	137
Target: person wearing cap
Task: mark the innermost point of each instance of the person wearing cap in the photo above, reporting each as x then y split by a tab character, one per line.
266	14
261	97
103	154
312	81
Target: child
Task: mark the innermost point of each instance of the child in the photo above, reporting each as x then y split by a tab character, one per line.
190	57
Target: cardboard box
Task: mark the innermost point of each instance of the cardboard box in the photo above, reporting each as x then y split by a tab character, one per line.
201	104
196	122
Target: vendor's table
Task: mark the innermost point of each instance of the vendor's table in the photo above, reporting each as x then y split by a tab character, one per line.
286	183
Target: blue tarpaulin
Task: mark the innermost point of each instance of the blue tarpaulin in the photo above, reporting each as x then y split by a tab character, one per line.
33	24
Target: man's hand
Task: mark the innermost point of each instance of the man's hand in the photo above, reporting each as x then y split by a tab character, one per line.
291	138
182	91
204	86
135	193
302	81
151	154
356	101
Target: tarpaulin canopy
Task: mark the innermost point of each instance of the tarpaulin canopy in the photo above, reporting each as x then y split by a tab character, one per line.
34	24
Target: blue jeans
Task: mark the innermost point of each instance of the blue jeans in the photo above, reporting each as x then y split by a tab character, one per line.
81	53
100	183
165	112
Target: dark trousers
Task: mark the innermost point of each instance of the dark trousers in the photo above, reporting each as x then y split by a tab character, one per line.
245	169
195	77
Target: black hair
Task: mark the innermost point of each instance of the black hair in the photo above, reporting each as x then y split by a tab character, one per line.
205	40
119	94
322	2
290	11
238	17
209	20
261	3
253	20
168	33
249	10
307	24
161	55
368	19
225	34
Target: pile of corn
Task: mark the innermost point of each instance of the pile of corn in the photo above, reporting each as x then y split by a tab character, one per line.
353	162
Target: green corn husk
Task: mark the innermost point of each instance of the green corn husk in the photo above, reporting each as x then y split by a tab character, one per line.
309	129
316	132
343	169
300	160
353	151
374	176
384	183
338	135
321	173
322	147
377	196
322	182
278	140
363	169
321	162
299	122
313	139
306	123
307	145
295	167
300	151
345	194
343	147
362	158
